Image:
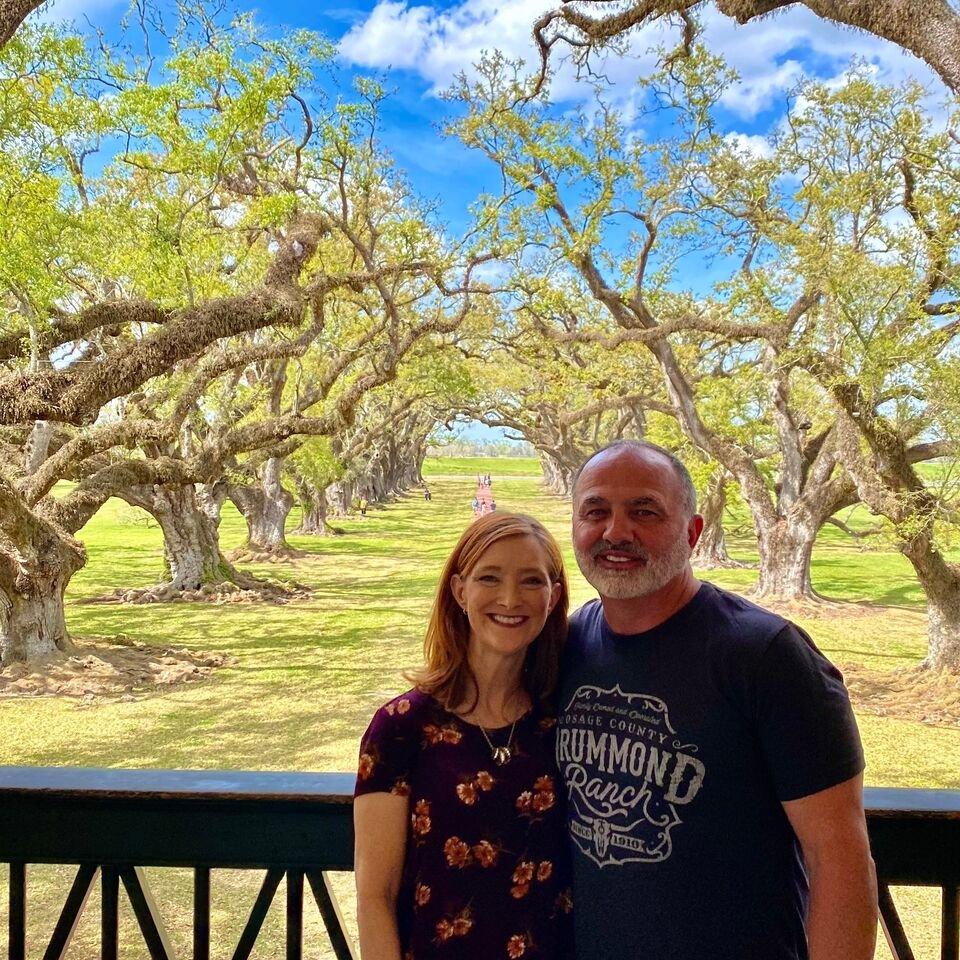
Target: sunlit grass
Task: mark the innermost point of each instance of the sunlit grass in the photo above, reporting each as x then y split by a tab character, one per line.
306	676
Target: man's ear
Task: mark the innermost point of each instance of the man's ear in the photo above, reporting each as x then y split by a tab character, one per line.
694	529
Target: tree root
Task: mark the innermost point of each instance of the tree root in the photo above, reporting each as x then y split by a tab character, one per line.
712	563
909	693
246	589
327	531
248	554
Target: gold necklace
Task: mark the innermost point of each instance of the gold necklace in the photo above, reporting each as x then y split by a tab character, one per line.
504	754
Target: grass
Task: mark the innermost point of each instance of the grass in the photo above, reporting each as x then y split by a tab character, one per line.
307	676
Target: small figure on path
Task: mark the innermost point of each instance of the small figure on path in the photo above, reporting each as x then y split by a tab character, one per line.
426	494
362	504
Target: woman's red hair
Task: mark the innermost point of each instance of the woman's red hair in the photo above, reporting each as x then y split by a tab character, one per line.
446	674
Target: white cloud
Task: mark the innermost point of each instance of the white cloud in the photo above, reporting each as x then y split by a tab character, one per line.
770	55
751	144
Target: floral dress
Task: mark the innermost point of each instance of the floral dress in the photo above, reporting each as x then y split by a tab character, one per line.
486	873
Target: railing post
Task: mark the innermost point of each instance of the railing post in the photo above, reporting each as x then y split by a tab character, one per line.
294	914
201	913
18	911
109	913
950	924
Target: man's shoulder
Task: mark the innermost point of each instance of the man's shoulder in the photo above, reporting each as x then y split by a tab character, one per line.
586	618
737	619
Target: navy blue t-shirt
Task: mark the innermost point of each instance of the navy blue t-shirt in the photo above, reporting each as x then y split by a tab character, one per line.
678	747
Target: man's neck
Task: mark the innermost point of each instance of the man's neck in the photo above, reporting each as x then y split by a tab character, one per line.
639	614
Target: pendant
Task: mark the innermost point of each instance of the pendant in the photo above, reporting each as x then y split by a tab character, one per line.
501	755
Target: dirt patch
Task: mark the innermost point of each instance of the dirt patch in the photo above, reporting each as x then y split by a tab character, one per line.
910	693
112	669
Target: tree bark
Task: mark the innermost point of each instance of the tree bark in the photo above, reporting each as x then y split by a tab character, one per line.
12	14
785	553
265	507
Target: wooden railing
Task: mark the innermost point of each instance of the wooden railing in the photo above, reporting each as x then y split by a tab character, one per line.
298	826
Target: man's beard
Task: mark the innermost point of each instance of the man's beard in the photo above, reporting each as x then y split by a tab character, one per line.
656	572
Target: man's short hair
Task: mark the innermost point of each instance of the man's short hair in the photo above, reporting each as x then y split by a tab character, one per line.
688	492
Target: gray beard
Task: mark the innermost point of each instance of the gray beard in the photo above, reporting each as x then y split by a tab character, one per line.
633	584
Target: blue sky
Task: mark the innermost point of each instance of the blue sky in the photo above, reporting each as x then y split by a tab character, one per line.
417	48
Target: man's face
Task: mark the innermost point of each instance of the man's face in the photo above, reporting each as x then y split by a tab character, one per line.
630	534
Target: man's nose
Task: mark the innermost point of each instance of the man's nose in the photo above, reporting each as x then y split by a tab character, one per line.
617	528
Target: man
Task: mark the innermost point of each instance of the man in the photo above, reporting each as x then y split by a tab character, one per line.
712	762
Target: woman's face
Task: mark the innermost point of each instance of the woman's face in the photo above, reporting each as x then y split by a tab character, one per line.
508	595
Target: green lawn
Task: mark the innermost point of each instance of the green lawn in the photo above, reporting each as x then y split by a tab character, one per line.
307	676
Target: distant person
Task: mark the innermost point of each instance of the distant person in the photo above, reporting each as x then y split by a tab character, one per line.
426	494
493	505
461	847
476	507
712	761
362	504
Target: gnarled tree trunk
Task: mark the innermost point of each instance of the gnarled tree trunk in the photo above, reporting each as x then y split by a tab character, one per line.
265	507
557	476
340	497
313	502
191	541
941	584
785	553
711	551
32	619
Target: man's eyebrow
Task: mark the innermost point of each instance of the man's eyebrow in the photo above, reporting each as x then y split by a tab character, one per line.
634	502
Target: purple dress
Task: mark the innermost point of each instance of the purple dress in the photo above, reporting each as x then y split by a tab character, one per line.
486	872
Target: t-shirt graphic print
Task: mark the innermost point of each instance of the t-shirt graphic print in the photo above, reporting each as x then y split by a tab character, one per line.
628	772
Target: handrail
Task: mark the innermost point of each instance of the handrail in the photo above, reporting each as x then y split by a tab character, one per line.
297	825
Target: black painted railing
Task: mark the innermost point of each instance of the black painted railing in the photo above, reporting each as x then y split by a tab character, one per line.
298	826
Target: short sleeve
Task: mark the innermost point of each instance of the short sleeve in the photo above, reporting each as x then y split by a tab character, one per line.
808	733
388	750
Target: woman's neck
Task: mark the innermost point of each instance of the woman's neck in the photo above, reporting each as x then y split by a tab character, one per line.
498	697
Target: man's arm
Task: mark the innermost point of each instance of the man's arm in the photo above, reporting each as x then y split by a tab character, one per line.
832	831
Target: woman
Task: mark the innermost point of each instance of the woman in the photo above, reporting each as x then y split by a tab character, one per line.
459	823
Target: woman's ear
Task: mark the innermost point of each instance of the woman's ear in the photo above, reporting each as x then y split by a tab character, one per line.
456	588
554	597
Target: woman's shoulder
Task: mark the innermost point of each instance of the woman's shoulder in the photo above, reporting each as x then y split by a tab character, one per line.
413	704
407	713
